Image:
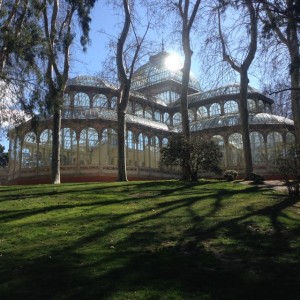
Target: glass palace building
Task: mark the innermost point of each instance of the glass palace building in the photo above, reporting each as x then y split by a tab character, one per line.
89	128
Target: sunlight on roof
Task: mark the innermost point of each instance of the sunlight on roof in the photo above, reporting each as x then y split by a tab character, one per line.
173	62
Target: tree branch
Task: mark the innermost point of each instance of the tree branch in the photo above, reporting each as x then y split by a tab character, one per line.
226	57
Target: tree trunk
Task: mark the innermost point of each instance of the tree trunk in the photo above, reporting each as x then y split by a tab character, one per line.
122	172
293	47
244	115
186	169
185	84
55	163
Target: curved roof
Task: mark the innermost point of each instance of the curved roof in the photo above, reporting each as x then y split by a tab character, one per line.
264	118
230	89
234	120
89	81
156	71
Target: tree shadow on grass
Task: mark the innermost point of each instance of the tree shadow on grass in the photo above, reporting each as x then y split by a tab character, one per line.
169	250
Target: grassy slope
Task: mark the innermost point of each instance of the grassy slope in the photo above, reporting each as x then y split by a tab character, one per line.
148	240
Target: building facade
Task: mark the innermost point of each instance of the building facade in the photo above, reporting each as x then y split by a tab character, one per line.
89	128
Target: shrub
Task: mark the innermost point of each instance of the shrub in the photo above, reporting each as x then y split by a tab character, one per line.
288	166
257	179
230	175
198	155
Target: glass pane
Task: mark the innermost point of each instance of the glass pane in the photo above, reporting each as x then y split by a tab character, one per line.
230	107
81	100
100	100
215	109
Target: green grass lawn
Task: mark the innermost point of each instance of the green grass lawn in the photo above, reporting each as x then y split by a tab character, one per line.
149	240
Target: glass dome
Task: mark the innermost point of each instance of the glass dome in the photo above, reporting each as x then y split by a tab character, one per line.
159	69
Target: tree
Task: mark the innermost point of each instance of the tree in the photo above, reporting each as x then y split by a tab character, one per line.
19	43
281	97
187	24
187	16
242	68
3	157
201	154
125	77
12	21
57	18
282	18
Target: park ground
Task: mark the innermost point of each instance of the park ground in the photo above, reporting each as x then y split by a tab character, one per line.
149	240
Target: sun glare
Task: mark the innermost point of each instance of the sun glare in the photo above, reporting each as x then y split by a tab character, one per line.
173	63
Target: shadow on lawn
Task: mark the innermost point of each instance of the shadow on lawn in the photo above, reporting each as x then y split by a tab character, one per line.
229	257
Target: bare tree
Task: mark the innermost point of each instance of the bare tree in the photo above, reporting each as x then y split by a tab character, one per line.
282	17
280	93
187	11
242	68
128	52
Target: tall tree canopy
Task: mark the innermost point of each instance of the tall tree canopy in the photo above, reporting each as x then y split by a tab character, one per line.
57	25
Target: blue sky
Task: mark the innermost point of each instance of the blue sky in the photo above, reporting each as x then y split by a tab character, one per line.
105	19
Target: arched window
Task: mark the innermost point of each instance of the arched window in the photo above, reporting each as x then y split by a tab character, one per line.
154	152
215	110
257	147
219	140
154	143
191	115
89	138
129	109
26	158
100	101
231	107
235	151
29	149
166	118
81	100
46	146
251	105
157	115
67	100
104	138
113	102
139	110
261	106
68	146
109	143
274	146
68	138
202	112
130	140
164	142
30	138
177	118
142	141
148	113
46	137
290	140
130	144
88	146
